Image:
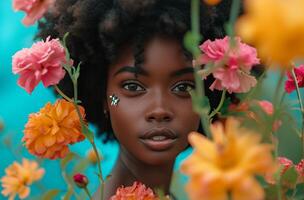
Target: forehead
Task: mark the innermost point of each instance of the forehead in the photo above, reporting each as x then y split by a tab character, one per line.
161	55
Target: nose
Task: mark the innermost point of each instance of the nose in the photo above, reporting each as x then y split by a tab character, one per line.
159	109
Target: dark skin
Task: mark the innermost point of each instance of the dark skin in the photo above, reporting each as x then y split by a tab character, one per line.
153	98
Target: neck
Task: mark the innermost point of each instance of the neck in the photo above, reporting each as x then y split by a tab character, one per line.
128	169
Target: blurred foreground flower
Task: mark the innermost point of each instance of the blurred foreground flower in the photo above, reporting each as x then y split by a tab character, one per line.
136	191
232	64
228	164
290	84
42	62
34	9
212	2
264	105
273	26
48	133
19	177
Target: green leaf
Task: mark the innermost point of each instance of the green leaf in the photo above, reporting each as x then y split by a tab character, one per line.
88	133
191	40
77	72
271	192
49	195
289	178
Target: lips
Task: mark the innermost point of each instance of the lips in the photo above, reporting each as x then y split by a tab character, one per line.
159	139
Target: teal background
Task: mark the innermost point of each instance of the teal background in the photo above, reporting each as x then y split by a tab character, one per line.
16	105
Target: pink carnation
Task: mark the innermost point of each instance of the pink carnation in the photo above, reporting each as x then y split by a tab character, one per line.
136	191
290	84
34	9
42	62
234	75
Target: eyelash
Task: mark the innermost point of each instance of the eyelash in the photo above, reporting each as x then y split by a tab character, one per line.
139	88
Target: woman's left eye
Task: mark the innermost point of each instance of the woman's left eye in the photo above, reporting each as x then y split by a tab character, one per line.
183	87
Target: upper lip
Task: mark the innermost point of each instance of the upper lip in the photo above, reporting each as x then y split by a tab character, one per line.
149	134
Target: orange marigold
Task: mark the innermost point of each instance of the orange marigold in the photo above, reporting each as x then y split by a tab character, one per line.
227	164
18	178
135	192
48	133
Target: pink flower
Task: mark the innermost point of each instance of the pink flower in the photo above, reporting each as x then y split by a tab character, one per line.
234	75
266	106
290	84
285	163
42	62
34	9
136	191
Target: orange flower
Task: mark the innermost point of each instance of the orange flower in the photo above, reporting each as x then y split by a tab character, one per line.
212	2
227	164
48	133
135	192
18	178
273	26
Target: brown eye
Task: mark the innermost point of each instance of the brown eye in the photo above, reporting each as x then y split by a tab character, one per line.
133	86
183	87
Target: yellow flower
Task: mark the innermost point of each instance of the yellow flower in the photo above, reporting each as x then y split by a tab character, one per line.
276	28
19	177
227	164
48	133
212	2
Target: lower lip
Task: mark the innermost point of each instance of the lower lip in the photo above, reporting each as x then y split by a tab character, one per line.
161	145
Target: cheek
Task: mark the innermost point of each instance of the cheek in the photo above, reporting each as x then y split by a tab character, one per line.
126	117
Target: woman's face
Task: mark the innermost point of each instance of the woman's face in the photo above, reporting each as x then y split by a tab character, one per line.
154	115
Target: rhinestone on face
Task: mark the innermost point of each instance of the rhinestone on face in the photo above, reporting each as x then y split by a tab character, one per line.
114	100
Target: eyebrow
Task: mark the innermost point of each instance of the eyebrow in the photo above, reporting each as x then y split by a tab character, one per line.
183	71
134	70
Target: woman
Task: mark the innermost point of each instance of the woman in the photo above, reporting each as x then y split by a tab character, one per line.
135	78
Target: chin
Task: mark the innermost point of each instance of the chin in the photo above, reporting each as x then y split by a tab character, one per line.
158	157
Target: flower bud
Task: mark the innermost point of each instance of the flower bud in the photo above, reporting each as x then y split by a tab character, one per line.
81	180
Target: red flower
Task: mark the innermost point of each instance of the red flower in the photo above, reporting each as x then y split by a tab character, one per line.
290	84
81	180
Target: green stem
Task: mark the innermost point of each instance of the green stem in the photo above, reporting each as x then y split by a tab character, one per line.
276	103
278	181
220	104
63	95
199	91
234	12
88	192
301	106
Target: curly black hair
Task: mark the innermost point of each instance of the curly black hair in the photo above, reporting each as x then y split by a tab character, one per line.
100	28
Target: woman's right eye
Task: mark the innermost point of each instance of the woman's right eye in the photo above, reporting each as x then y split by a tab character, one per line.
133	86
